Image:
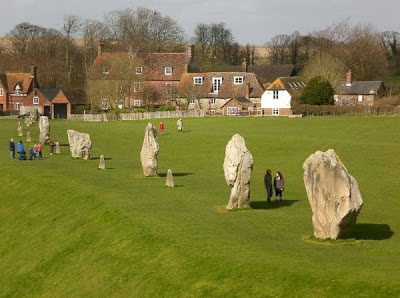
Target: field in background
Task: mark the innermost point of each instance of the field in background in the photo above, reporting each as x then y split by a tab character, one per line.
69	229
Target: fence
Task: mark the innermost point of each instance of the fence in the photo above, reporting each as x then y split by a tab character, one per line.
136	116
311	110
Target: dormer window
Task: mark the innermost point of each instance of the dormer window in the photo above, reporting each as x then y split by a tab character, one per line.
106	70
139	70
36	100
216	84
198	80
168	71
238	80
17	90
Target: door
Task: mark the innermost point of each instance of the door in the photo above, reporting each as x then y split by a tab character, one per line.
60	111
46	111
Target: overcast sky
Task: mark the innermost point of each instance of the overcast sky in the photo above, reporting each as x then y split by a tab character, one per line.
253	21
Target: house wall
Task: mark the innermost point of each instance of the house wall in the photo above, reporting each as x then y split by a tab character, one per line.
283	101
282	112
353	100
3	98
232	103
28	102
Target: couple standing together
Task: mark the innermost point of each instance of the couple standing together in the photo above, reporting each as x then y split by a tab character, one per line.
278	185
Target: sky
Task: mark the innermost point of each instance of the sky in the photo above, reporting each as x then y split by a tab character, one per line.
251	21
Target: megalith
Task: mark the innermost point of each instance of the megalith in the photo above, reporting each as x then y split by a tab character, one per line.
44	130
238	165
102	163
170	179
80	144
150	149
28	137
58	151
333	194
19	130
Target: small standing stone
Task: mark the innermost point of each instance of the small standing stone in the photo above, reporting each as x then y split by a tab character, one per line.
179	124
170	179
28	137
102	163
19	129
58	151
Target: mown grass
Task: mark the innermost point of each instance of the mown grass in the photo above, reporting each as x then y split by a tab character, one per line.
69	229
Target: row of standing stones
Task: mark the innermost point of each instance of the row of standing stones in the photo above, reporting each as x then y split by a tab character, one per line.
333	194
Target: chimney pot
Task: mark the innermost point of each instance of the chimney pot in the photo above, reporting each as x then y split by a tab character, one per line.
244	65
349	78
190	52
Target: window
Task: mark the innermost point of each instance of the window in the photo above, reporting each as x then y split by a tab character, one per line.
104	104
275	112
106	70
213	101
237	80
233	111
198	80
167	84
36	100
360	98
136	87
17	91
168	71
137	103
192	101
1	91
17	104
216	84
275	94
139	70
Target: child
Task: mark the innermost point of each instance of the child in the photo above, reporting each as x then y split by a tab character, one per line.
31	153
161	127
52	145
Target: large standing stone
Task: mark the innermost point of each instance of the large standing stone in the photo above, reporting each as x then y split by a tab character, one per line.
150	149
170	179
44	130
333	194
58	151
238	165
79	144
102	163
28	137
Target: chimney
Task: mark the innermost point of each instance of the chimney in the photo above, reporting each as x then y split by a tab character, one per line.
100	49
247	90
244	65
349	78
33	76
190	52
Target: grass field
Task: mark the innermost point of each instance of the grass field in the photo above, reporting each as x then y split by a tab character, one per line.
68	229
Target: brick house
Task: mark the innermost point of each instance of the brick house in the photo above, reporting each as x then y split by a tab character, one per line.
50	102
276	100
351	93
238	106
162	72
212	90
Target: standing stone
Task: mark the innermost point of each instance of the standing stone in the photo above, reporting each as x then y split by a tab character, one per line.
179	124
19	129
58	151
238	165
150	149
44	130
333	194
79	144
102	163
170	179
28	137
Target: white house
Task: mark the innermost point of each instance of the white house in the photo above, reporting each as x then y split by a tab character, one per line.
276	99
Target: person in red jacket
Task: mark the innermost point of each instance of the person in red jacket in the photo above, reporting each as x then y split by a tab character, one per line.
39	150
161	128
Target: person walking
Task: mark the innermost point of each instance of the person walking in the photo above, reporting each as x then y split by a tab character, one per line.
161	128
179	124
279	186
11	147
20	149
39	150
52	145
268	184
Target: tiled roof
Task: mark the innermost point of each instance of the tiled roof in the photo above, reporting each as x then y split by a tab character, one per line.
11	79
242	101
100	58
50	94
227	90
359	87
287	83
267	73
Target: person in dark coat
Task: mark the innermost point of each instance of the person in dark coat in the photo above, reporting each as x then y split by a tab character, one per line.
268	184
11	148
20	150
279	186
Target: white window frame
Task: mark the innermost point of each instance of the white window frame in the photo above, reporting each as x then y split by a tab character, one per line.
198	80
139	70
232	111
275	94
192	101
104	104
238	80
216	84
275	112
213	101
136	87
17	90
168	71
35	100
106	70
17	106
1	91
137	103
360	98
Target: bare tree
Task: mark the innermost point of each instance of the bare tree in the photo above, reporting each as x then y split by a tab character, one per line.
71	26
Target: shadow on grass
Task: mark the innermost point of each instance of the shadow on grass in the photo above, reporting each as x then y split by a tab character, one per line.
175	174
97	158
272	204
371	232
64	145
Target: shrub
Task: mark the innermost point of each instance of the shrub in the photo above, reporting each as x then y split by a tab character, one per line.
318	91
140	110
167	107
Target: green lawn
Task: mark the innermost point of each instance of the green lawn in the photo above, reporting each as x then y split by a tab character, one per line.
68	229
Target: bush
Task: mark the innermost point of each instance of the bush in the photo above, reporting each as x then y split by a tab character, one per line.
167	107
140	110
318	91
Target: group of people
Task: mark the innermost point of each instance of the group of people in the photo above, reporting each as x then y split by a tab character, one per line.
36	151
179	125
277	184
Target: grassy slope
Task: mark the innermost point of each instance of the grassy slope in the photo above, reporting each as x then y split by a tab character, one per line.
69	229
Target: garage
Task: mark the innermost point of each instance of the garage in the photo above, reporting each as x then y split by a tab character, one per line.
60	110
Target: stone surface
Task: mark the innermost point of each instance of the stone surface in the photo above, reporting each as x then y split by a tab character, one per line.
150	149
238	165
19	129
34	115
102	163
79	144
28	137
179	124
58	151
333	194
44	130
170	179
